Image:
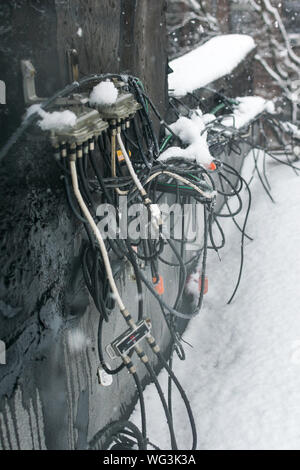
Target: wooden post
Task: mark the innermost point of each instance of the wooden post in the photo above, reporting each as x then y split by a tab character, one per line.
49	393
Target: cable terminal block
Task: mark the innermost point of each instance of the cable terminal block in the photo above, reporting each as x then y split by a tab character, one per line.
122	110
122	345
89	125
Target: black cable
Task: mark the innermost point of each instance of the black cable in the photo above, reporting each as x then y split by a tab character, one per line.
84	185
184	397
164	403
260	177
142	406
204	259
212	218
112	430
233	215
243	235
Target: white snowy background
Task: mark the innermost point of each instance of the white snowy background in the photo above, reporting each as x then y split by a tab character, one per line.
242	374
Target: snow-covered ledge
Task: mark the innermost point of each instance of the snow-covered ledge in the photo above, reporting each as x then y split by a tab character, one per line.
213	60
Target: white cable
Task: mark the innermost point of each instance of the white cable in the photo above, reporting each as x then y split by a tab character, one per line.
113	164
130	167
155	211
98	235
183	180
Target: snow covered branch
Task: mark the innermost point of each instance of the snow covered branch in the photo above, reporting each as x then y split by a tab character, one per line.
279	23
275	52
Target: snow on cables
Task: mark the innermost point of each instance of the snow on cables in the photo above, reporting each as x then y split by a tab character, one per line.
55	121
110	156
247	109
191	131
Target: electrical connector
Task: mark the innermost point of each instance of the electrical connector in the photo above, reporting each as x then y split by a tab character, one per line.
156	217
88	125
122	110
120	156
104	378
159	284
121	346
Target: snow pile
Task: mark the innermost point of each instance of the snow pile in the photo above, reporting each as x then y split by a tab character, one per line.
242	375
56	121
104	94
191	131
214	59
248	108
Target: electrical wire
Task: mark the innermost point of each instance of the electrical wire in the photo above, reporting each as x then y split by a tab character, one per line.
142	177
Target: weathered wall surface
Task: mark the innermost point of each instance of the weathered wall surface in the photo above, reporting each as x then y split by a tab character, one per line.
49	394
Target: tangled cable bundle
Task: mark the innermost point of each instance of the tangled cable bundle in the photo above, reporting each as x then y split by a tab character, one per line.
123	157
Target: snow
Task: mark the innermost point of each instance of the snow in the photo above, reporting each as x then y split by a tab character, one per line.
217	57
242	374
193	284
104	94
55	121
77	340
188	129
34	108
191	131
249	108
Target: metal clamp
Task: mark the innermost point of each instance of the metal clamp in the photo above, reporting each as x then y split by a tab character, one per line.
28	72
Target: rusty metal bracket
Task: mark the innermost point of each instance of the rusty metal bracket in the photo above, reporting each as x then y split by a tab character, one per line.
29	90
73	65
28	72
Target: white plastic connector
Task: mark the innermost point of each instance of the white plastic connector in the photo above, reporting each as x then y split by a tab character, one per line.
104	378
297	151
156	217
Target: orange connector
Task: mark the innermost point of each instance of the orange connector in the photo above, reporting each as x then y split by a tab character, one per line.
121	156
205	285
158	285
212	166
